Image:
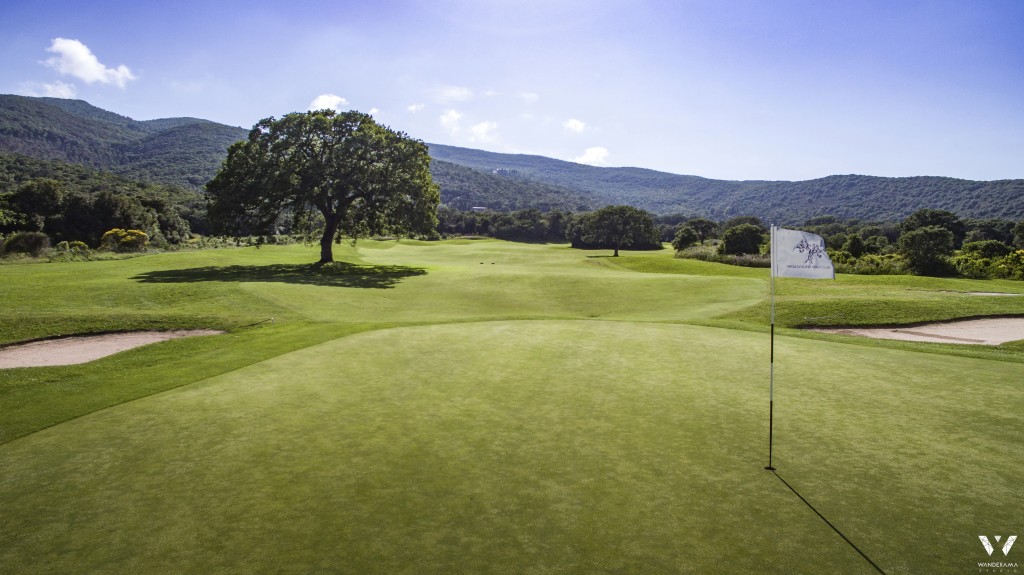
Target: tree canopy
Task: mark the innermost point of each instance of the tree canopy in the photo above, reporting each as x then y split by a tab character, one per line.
743	238
927	249
615	227
330	172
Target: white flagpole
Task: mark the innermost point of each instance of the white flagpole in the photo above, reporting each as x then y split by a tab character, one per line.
771	358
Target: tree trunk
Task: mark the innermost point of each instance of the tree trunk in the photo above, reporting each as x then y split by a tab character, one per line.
616	254
327	240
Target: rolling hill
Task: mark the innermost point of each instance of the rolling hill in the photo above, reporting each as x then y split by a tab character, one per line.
845	196
188	151
180	151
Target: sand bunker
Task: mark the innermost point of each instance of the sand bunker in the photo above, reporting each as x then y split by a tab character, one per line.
991	331
82	349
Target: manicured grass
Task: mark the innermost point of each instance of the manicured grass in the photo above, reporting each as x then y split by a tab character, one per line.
486	407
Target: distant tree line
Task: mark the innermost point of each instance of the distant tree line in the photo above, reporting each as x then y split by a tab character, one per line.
928	242
611	227
67	203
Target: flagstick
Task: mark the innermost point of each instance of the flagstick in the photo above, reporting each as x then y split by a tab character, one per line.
771	359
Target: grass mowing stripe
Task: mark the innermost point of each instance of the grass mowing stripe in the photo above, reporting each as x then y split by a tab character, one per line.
38	398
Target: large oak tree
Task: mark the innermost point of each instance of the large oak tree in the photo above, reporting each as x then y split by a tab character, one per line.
616	227
336	173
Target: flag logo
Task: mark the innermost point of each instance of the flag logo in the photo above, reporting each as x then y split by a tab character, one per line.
798	254
814	251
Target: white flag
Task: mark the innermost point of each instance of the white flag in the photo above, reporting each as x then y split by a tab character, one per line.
797	254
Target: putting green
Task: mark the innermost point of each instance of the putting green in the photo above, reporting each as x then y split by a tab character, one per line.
529	447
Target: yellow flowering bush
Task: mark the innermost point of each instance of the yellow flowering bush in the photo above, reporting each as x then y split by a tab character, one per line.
119	240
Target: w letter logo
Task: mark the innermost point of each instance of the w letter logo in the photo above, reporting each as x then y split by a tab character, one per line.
1006	546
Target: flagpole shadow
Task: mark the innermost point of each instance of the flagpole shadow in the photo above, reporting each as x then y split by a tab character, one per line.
827	522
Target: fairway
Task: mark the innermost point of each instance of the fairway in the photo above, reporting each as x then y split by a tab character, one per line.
487	407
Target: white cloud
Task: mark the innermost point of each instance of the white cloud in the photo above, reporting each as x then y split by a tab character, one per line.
483	132
56	90
574	125
415	107
529	97
328	102
451	94
374	111
75	59
595	156
450	121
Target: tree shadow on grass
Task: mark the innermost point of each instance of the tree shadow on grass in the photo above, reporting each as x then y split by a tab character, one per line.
335	274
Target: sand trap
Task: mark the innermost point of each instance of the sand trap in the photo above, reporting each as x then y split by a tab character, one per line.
83	349
991	331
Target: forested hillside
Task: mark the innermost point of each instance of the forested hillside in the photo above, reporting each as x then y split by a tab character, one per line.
180	151
464	188
846	196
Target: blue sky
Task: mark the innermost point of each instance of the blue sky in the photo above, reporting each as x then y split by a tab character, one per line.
781	90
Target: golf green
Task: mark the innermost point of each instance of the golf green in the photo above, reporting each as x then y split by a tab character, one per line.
527	446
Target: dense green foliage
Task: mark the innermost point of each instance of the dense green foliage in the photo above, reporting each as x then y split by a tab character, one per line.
31	243
529	225
685	237
332	173
885	248
742	238
614	228
179	151
926	249
465	188
75	203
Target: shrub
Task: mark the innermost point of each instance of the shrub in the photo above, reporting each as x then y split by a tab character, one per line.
119	240
32	243
876	265
75	247
685	237
926	250
987	249
707	253
854	245
741	239
972	265
1010	267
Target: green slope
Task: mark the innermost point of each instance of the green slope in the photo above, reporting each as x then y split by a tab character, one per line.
180	151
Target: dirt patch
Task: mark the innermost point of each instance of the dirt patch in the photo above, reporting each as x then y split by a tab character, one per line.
991	331
83	349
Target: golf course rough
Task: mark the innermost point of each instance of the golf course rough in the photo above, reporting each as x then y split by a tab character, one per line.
547	414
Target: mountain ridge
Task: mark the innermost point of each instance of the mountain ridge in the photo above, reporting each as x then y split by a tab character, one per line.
847	196
188	151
